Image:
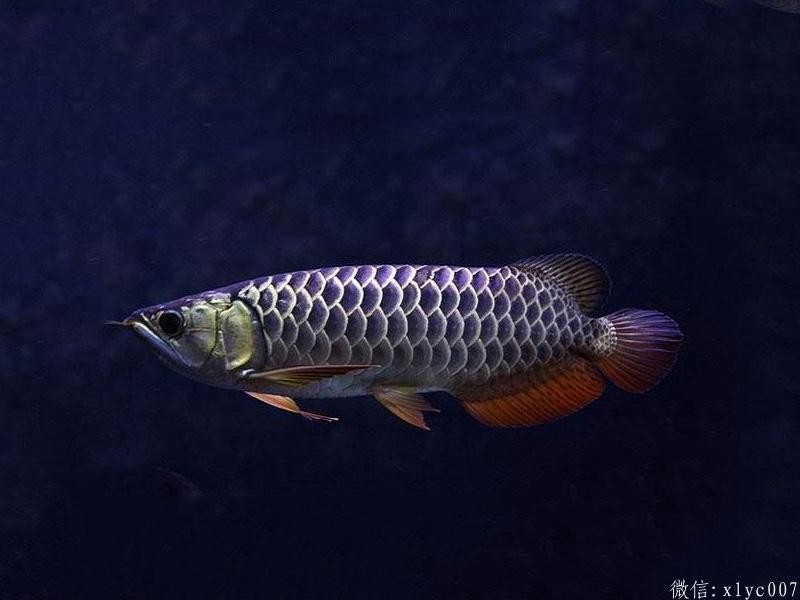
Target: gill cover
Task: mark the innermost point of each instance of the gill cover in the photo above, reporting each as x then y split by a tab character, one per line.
236	342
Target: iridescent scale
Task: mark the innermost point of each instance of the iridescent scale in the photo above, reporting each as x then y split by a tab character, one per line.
427	327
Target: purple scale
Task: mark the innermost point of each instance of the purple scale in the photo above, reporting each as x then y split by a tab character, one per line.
496	283
558	304
472	328
561	320
391	298
278	281
273	325
292	357
558	353
403	354
511	354
268	299
404	275
336	323
305	339
505	329
356	326
476	357
352	295
539	284
462	278
479	280
362	353
329	272
532	313
302	306
318	314
468	301
315	283
522	332
422	355
332	292
458	357
537	332
286	300
341	352
512	287
321	351
417	325
377	326
372	297
485	303
298	279
528	353
443	276
430	297
529	292
450	298
440	356
384	274
488	329
455	328
364	274
517	309
422	275
382	353
410	297
547	316
501	305
544	353
494	354
397	327
437	325
544	298
345	274
279	353
290	329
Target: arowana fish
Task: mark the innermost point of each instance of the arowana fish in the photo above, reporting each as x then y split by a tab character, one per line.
515	344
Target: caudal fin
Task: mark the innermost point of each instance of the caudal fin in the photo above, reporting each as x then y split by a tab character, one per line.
642	347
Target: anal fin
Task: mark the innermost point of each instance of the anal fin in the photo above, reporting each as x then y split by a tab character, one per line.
406	404
539	398
287	404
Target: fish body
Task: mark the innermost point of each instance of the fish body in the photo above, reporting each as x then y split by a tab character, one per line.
516	344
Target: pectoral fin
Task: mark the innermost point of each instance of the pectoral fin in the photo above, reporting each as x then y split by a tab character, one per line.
406	404
300	376
287	404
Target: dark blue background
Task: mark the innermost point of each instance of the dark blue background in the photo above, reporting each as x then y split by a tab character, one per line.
150	149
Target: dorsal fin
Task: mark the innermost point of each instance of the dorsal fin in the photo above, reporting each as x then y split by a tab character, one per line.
580	276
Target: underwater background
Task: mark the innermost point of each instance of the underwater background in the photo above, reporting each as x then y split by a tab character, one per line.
151	149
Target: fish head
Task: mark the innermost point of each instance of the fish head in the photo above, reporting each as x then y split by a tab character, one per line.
210	337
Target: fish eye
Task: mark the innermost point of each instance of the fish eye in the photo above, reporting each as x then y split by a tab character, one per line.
170	322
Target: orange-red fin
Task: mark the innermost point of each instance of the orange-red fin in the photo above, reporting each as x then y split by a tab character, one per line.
300	376
545	396
580	276
645	348
287	404
405	404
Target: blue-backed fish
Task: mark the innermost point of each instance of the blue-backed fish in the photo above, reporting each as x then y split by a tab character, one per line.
517	345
